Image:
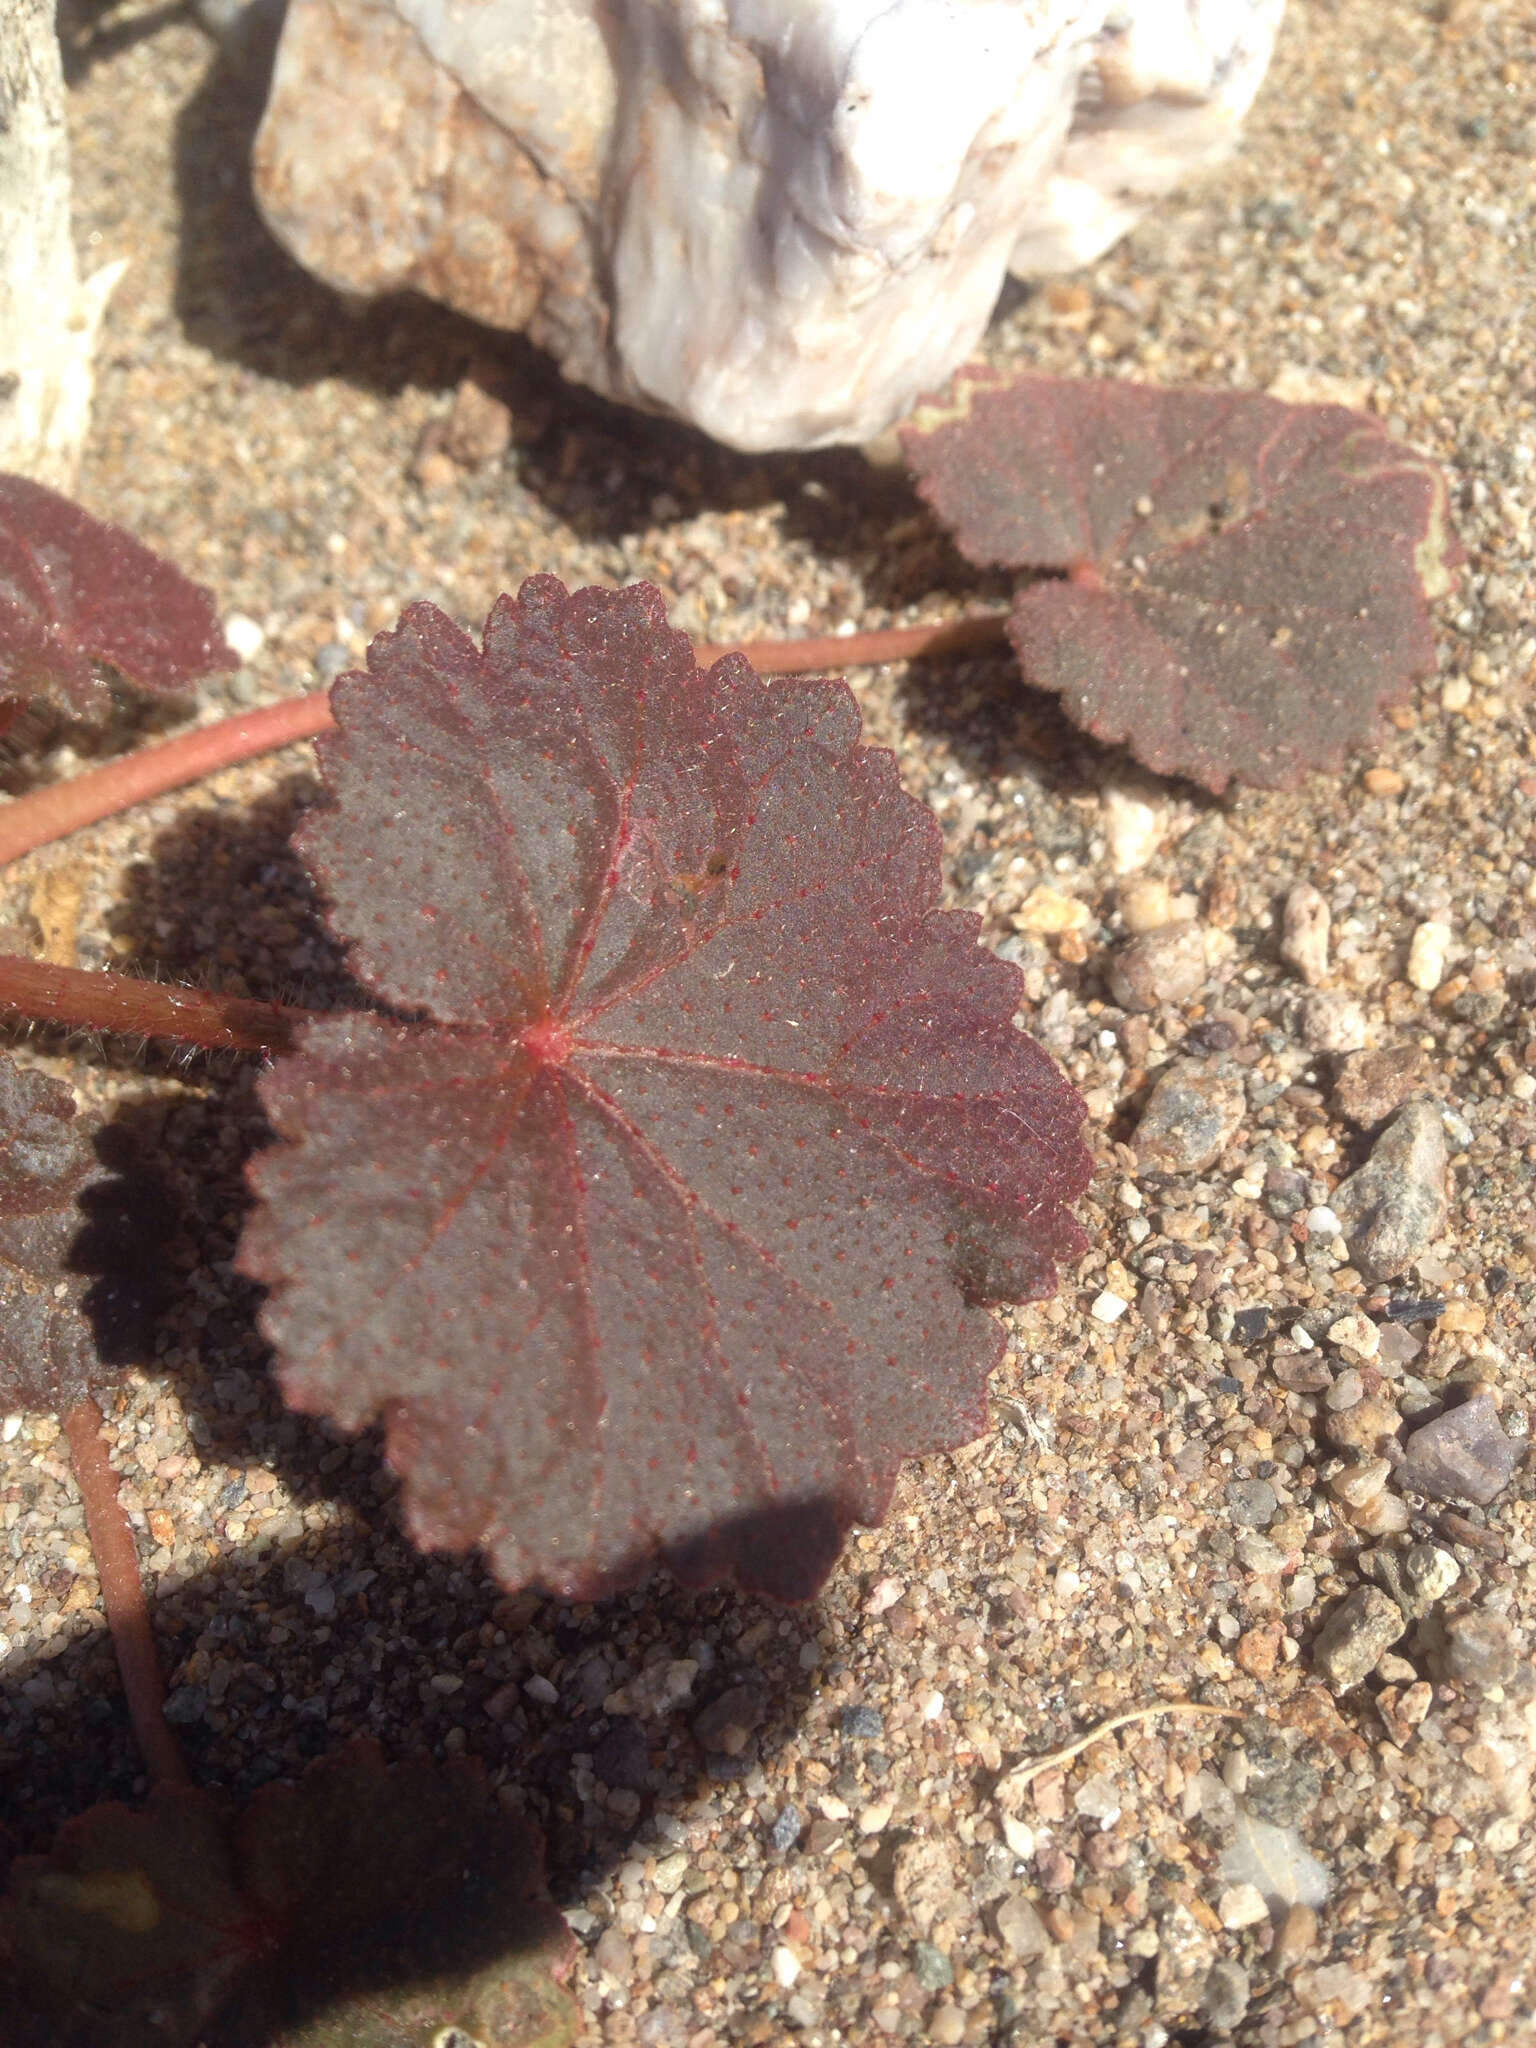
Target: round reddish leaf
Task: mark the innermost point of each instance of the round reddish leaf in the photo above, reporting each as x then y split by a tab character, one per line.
1246	582
665	1229
75	590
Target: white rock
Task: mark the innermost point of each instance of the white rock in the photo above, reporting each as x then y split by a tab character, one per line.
786	1967
782	220
1305	926
244	635
1132	828
1426	954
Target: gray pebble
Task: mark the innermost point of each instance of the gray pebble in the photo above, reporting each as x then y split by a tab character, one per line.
1285	1796
1461	1455
725	1724
1480	1651
1356	1635
862	1724
1395	1207
931	1967
1253	1503
1224	2000
332	660
786	1829
1194	1108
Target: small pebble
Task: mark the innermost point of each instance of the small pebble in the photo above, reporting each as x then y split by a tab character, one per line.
1426	955
1461	1455
1047	912
786	1968
246	638
1241	1905
1146	905
727	1723
1132	829
1297	1938
1480	1651
787	1829
1395	1207
1253	1503
861	1724
947	2026
1224	2000
1356	1333
1357	1484
1166	966
1194	1109
1351	1642
1305	925
1332	1022
1108	1308
1370	1085
931	1967
1020	1928
1431	1572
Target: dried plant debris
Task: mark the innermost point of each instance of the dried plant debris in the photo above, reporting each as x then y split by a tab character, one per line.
371	1906
666	1228
1240	586
76	591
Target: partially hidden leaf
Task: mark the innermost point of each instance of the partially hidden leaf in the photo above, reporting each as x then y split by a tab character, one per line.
661	1226
364	1907
75	591
1243	584
48	1356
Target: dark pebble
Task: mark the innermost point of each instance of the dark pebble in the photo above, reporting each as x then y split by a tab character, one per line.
1250	1325
862	1724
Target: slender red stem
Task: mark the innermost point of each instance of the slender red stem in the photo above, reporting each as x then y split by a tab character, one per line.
90	1001
64	807
830	653
122	1594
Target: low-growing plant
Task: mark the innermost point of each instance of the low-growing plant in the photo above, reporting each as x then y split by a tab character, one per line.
657	1199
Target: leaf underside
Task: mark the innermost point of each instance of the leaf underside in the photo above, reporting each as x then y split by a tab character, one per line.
663	1230
75	591
364	1907
1245	582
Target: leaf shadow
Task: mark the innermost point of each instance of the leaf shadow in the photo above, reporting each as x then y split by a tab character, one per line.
291	1646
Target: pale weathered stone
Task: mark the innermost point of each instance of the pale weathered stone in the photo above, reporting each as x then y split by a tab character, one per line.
780	219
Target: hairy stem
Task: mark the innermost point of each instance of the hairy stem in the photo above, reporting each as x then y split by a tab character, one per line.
64	807
90	1001
122	1594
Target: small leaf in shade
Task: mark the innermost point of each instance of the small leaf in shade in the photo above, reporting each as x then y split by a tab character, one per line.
48	1358
75	591
364	1907
1244	583
666	1231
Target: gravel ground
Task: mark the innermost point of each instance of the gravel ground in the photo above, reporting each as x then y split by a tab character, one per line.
820	1825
